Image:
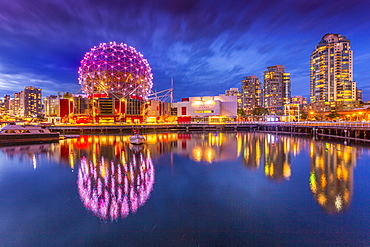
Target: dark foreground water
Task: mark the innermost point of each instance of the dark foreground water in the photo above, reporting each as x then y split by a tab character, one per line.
225	189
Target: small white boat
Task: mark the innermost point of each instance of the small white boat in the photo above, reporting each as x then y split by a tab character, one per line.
137	139
14	134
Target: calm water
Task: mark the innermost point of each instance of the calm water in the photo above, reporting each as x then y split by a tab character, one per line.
225	189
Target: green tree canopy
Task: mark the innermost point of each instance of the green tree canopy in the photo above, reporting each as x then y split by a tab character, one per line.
260	111
333	115
241	112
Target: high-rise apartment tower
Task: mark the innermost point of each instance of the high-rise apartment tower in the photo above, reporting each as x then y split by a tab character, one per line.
252	96
32	102
276	88
331	74
18	105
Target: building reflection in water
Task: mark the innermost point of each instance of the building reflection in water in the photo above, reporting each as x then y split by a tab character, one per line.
277	157
207	147
111	190
31	153
331	175
115	180
271	150
251	146
331	165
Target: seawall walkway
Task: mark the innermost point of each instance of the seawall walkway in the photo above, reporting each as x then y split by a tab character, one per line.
348	130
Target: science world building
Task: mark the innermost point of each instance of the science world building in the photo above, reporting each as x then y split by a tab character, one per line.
115	82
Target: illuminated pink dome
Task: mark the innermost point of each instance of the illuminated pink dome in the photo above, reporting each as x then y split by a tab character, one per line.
115	68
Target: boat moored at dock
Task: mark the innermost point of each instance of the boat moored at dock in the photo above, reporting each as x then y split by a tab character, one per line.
15	134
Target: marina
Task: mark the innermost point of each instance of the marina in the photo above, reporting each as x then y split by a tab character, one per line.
12	134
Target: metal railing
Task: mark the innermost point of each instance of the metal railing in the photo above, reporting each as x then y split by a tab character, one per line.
302	123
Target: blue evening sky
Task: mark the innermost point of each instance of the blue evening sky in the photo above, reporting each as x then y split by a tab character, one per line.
206	46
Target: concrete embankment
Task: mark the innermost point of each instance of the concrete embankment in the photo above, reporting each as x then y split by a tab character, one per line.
146	128
357	132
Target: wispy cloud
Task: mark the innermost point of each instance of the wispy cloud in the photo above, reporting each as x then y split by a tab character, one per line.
14	83
205	45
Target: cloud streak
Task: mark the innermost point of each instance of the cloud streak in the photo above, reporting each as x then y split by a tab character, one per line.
206	46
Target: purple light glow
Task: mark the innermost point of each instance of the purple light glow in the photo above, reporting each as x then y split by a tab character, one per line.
116	65
112	190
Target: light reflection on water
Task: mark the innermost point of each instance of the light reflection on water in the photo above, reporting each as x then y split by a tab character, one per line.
331	164
111	190
246	174
115	178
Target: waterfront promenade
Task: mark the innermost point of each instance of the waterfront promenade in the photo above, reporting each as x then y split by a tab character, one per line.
359	131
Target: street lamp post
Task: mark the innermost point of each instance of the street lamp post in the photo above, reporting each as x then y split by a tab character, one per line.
311	114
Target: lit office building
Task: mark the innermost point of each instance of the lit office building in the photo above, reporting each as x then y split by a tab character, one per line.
155	109
51	106
235	92
298	105
331	74
32	102
81	105
276	88
2	108
11	107
252	96
7	102
18	104
359	94
298	99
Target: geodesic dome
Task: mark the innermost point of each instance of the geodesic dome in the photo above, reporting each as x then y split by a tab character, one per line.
115	68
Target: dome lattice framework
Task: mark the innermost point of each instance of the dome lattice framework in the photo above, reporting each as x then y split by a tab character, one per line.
116	69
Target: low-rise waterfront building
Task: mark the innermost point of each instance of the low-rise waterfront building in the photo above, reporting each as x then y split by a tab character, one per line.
208	108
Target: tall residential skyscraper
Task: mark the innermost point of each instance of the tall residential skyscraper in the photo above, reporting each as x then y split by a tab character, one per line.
32	101
276	88
252	96
18	107
7	101
331	74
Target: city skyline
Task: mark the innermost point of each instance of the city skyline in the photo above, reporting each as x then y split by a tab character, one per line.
205	46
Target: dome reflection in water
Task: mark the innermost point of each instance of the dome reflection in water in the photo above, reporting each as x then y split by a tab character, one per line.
112	190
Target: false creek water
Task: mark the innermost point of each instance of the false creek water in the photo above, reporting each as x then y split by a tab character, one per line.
209	189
